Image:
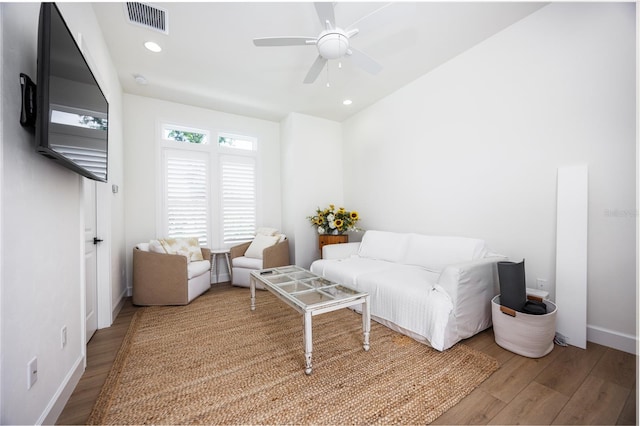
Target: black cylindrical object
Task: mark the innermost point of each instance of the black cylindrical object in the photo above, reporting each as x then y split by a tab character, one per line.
513	288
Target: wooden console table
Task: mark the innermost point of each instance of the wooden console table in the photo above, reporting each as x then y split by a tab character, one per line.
325	239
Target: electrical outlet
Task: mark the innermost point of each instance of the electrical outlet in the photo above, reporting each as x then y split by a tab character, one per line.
32	372
63	337
541	283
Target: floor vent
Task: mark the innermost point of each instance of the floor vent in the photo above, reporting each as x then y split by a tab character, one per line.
148	16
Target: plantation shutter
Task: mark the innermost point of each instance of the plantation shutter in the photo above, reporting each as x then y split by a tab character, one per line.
187	194
238	179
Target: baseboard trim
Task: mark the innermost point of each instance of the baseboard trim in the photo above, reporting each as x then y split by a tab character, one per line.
613	339
60	399
118	307
222	277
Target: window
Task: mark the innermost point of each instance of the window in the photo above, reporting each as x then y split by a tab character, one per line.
237	142
184	134
238	190
209	190
186	195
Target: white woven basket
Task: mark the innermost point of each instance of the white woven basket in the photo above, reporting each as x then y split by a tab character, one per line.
524	334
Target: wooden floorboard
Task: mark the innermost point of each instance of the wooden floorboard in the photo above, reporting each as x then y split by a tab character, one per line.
101	352
568	386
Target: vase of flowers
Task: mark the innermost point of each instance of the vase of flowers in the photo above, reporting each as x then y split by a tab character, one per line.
334	221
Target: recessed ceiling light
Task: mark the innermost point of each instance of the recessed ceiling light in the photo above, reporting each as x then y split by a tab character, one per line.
154	47
347	102
140	79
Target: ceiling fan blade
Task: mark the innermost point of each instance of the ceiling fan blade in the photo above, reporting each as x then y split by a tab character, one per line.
364	61
284	41
326	15
315	70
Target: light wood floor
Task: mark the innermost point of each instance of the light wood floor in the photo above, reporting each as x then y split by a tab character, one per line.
568	386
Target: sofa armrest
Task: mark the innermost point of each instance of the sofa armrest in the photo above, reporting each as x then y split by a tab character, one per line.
159	279
340	251
239	250
276	255
471	286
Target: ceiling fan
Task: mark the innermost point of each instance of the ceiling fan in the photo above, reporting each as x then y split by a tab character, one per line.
332	43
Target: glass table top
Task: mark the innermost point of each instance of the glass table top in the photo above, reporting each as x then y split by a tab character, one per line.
305	288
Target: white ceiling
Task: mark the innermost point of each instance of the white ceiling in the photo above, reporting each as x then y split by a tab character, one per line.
209	60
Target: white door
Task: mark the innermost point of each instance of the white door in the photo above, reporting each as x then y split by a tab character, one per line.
90	258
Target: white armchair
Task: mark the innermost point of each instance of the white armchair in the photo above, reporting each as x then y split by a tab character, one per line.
253	256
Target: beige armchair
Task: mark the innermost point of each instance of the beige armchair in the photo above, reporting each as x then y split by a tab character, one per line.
275	255
168	279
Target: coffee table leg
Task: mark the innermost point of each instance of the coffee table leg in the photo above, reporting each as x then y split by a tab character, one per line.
252	290
308	343
366	323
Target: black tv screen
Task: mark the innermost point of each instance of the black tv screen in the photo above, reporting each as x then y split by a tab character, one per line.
72	112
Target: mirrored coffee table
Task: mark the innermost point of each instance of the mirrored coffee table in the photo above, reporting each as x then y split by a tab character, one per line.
310	295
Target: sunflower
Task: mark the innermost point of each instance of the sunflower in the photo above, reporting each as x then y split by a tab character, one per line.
334	220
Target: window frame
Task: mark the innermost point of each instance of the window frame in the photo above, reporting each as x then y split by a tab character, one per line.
215	237
187	129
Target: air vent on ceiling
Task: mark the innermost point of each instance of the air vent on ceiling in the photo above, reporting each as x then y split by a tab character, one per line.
148	16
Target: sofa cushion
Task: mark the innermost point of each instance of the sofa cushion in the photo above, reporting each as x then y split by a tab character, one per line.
259	243
383	245
434	253
197	267
347	271
246	262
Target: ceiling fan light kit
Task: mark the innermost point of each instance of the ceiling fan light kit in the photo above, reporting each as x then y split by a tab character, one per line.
332	43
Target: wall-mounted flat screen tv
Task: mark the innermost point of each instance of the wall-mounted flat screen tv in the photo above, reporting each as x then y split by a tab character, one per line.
72	112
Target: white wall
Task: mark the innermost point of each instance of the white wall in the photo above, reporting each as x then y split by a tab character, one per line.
311	178
473	147
141	162
110	226
41	232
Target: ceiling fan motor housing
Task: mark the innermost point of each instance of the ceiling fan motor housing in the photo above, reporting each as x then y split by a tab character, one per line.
333	44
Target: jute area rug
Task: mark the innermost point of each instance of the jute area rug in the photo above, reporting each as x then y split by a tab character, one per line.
216	362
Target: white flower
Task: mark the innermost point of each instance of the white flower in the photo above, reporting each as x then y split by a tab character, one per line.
332	225
330	217
320	230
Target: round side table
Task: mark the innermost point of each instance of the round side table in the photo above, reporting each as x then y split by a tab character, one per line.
214	261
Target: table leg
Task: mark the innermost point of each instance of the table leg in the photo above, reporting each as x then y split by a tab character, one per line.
228	258
308	343
215	261
252	291
212	259
366	323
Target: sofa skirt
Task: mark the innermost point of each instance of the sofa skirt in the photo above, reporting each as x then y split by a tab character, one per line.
524	334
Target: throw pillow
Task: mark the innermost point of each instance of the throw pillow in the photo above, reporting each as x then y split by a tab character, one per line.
156	247
266	231
188	247
260	243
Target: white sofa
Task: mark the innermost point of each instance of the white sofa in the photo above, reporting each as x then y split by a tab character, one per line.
435	289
